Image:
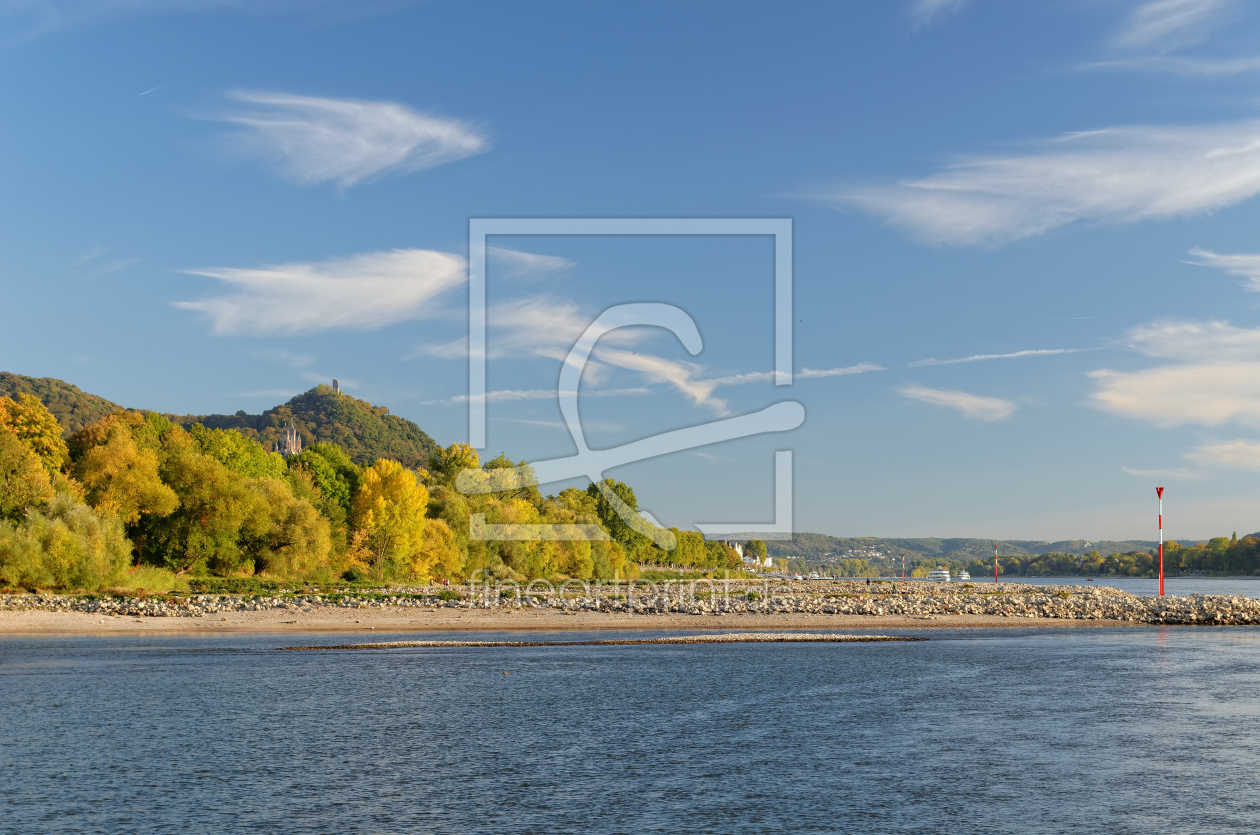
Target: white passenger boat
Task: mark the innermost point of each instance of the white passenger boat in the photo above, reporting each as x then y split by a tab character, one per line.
963	577
940	575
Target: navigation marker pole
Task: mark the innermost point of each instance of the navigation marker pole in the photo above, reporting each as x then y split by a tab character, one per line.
903	568
995	567
1159	491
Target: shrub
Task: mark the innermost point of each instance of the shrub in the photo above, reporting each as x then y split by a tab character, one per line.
67	546
449	594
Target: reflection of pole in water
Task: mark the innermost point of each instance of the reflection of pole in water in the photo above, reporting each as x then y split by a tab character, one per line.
1159	491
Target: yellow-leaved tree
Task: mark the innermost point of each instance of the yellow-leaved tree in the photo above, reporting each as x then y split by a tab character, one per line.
389	519
35	426
120	477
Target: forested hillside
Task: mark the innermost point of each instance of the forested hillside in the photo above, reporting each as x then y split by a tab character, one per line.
73	408
364	431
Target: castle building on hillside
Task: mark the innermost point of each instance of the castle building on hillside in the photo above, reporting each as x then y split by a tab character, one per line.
291	444
336	387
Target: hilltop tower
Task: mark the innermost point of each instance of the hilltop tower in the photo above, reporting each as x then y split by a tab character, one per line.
336	387
291	444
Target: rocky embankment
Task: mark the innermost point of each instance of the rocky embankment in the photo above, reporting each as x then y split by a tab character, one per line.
905	599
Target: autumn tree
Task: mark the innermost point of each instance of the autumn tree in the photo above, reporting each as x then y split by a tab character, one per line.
119	476
34	425
24	483
389	514
447	463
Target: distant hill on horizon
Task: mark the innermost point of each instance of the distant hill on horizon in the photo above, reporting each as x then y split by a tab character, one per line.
365	431
821	548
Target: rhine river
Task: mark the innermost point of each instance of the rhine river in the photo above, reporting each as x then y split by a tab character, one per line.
1124	730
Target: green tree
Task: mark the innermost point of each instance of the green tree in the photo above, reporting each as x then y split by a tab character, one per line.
24	483
239	454
445	464
67	546
120	477
633	542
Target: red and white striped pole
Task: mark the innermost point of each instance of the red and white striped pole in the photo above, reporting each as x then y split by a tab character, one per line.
1159	491
995	566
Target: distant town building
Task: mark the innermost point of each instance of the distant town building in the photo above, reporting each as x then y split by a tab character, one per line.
291	443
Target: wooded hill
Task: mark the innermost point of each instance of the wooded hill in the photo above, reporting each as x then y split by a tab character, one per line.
364	431
73	408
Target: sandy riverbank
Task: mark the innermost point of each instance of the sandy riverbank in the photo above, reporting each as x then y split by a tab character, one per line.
389	619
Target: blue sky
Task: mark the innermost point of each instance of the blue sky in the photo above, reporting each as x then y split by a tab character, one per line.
1025	236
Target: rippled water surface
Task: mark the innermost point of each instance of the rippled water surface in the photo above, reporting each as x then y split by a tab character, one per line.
1139	730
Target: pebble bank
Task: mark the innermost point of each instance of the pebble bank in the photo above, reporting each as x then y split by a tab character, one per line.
907	599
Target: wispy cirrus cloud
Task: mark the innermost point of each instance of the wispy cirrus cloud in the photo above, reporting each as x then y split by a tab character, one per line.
346	141
1041	352
1169	24
1212	382
970	405
1247	266
1154	32
1116	175
362	292
517	264
511	395
803	374
925	14
534	326
680	375
1230	455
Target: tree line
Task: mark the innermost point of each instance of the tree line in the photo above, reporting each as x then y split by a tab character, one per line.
136	490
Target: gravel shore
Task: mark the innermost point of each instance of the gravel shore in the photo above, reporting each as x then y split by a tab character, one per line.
716	605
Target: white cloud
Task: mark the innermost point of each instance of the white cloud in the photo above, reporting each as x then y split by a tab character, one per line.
1247	266
1169	23
1012	355
362	292
517	264
1120	175
927	13
1233	455
1213	382
1210	342
509	395
803	374
1180	394
1181	65
539	326
316	140
971	405
681	375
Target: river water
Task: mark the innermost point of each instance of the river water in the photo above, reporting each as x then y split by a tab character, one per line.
1124	730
